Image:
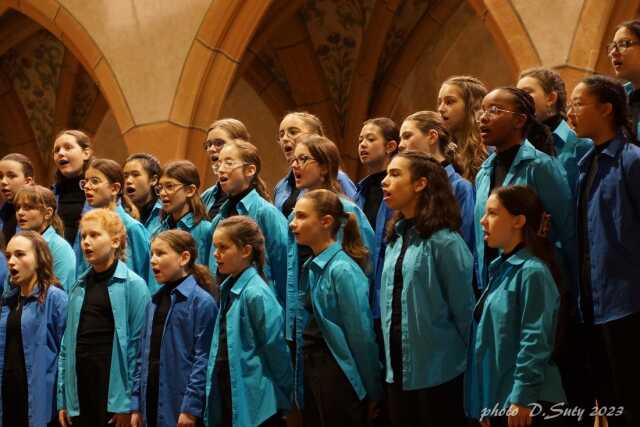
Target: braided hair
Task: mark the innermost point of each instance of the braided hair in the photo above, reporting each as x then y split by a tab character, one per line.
538	134
609	90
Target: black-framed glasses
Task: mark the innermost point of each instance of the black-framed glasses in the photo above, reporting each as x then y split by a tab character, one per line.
492	112
169	188
92	182
621	45
302	160
217	142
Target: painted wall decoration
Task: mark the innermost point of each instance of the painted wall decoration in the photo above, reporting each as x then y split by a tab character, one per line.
85	94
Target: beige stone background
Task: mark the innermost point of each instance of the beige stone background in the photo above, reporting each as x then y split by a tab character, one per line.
150	75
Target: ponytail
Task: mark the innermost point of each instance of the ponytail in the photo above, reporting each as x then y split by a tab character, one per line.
352	242
204	278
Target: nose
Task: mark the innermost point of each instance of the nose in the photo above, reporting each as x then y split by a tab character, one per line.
441	108
483	220
385	181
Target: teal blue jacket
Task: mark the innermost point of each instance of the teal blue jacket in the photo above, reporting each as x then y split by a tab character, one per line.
546	177
154	221
340	299
437	304
201	233
511	344
569	150
129	297
259	360
293	265
64	259
275	230
210	195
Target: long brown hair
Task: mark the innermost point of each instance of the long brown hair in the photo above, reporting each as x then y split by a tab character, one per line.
44	270
40	198
522	200
436	206
471	151
83	140
249	154
234	127
186	173
311	121
111	222
243	230
113	172
326	202
326	154
430	120
180	241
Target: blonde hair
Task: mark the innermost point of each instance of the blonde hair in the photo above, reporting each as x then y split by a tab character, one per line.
310	120
112	224
40	198
235	128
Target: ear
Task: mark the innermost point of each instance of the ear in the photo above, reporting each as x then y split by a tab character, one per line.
190	190
246	251
551	98
116	187
607	109
86	153
48	214
420	184
184	259
390	147
154	180
519	222
520	120
115	242
28	180
327	221
250	171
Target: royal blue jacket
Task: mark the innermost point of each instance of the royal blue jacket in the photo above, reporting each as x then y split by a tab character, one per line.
465	194
628	87
283	190
64	258
129	297
547	178
42	328
274	227
293	262
437	304
383	215
510	352
201	233
261	375
4	270
339	297
569	150
184	353
613	227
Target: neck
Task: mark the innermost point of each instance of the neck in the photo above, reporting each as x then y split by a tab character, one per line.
319	246
409	211
112	204
509	247
242	268
379	166
145	202
438	156
512	142
104	266
43	228
26	289
179	276
240	191
180	213
605	135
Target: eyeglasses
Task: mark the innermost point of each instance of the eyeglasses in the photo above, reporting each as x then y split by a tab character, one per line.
218	143
302	160
620	45
168	188
229	165
91	182
492	112
577	107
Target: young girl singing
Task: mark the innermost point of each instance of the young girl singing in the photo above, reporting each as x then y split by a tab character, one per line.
334	325
141	173
16	172
32	320
36	210
99	360
177	335
249	378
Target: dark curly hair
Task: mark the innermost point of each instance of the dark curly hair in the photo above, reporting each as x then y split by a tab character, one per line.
436	207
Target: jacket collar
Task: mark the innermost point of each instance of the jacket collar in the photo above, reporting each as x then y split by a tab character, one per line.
48	233
515	259
11	296
563	131
186	221
185	288
247	202
628	87
612	150
526	152
119	275
242	280
321	260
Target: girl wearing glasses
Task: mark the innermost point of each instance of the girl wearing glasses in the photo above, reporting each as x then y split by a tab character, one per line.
510	356
608	230
315	165
220	133
36	211
292	128
16	172
72	153
32	321
341	368
624	53
458	101
141	174
550	97
505	120
239	177
100	354
182	207
103	186
426	296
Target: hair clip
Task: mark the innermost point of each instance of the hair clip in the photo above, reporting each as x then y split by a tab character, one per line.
545	224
